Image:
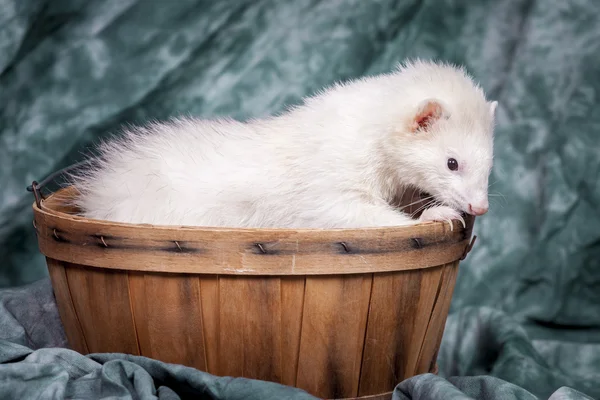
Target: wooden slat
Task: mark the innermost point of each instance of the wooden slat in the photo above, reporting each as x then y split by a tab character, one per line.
232	301
168	317
262	329
101	300
333	328
401	304
250	325
292	300
430	281
140	312
66	309
435	329
209	300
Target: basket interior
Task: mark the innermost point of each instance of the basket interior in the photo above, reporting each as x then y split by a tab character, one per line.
411	201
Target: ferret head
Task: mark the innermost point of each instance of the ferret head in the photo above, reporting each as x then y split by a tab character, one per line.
445	144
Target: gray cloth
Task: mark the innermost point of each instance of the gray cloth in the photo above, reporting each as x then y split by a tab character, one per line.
34	363
29	316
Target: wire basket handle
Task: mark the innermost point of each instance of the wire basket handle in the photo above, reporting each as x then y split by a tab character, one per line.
36	188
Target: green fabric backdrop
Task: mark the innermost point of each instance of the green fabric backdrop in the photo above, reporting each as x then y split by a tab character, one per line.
72	71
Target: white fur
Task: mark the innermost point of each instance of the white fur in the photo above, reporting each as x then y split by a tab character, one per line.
334	162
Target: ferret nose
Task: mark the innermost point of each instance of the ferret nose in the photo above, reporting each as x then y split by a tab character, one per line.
478	210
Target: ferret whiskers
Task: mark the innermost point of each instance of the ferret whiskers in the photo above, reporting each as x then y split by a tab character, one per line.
423	207
415	202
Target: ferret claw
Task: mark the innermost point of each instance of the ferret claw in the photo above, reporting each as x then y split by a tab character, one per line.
451	224
442	214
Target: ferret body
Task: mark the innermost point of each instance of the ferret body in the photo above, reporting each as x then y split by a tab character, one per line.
335	161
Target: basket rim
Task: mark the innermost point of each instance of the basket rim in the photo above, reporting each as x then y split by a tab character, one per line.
50	211
255	251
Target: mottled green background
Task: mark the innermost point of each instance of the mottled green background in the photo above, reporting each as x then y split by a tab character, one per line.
72	71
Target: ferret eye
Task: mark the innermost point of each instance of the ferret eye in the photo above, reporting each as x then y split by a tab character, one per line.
452	164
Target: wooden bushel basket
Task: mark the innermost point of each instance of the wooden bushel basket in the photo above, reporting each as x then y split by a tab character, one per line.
340	313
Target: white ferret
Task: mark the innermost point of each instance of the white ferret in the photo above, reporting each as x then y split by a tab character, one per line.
336	161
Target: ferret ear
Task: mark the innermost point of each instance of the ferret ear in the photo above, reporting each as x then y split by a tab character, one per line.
493	106
428	112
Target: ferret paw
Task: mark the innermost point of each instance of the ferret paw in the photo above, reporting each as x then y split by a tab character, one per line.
442	214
